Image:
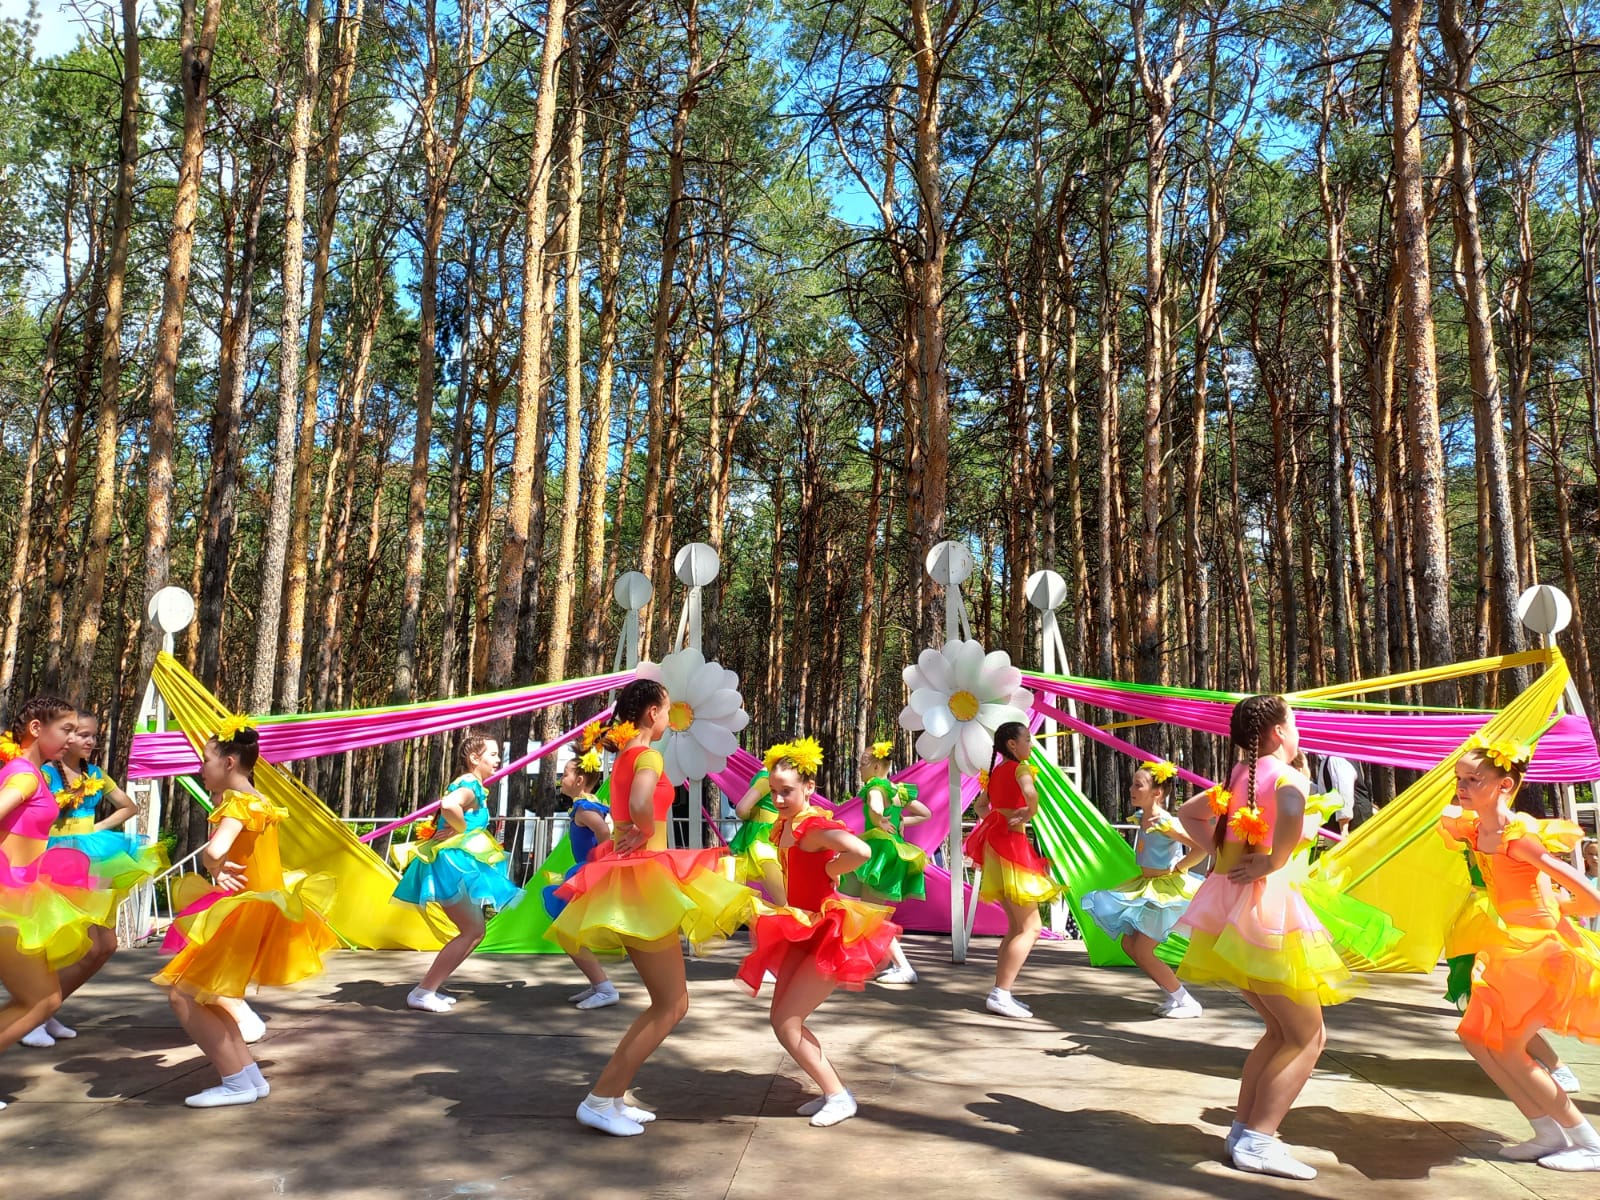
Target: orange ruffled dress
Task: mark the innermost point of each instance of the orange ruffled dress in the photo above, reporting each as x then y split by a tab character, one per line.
631	901
847	939
49	899
1012	869
270	934
1261	936
1535	968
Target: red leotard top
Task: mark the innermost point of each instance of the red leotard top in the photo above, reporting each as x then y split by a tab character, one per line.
805	870
641	758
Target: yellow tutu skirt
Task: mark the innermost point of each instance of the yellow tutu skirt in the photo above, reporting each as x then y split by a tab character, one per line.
50	906
267	939
1006	880
622	902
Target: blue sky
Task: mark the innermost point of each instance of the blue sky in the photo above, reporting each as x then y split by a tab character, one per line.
59	21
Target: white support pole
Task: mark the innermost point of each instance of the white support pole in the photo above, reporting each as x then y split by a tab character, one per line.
1547	611
696	566
950	564
1046	592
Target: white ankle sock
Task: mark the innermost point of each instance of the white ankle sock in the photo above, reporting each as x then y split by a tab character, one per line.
253	1071
600	1103
606	988
239	1081
1179	996
57	1030
1582	1135
1236	1130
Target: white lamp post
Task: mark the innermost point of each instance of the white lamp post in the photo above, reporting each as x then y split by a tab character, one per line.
950	565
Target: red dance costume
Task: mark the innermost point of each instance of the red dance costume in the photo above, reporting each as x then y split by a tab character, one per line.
635	900
847	939
1012	869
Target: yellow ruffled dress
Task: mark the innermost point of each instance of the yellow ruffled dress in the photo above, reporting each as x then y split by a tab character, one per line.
270	934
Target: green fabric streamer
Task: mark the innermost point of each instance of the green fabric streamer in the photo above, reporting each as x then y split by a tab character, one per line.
525	928
1086	854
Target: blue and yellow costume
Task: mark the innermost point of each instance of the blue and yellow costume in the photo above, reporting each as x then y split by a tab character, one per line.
122	860
460	868
582	839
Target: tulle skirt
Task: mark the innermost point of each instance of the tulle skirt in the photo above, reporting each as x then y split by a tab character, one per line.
463	869
122	861
895	870
1262	937
233	940
848	941
632	901
1012	869
1526	978
52	904
1149	905
752	850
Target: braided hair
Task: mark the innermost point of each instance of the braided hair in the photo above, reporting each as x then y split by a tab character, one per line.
44	709
1003	737
1251	718
636	698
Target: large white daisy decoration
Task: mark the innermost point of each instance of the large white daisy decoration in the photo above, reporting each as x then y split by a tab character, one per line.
705	713
959	697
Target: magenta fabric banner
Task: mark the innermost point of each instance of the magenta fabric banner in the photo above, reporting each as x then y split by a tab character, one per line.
1565	754
290	738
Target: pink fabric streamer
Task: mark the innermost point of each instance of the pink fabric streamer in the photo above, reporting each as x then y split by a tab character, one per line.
1419	742
291	739
1108	739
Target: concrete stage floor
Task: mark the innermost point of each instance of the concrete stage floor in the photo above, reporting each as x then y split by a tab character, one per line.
1094	1097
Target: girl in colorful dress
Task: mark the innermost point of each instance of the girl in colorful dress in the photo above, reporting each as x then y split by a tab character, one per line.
822	940
258	931
1250	929
458	865
121	860
1014	873
636	895
1143	911
589	824
754	856
50	904
1535	969
895	870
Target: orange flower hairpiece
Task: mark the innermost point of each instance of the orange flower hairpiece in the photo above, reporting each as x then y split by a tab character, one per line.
9	749
983	779
1159	771
1218	797
1249	826
622	732
424	829
592	733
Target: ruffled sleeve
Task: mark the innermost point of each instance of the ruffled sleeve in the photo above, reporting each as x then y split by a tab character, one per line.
1457	828
473	784
1556	837
814	820
881	784
905	793
1163	823
254	812
1324	805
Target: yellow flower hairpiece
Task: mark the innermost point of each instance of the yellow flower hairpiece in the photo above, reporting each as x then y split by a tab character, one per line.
589	761
592	733
806	753
882	750
9	749
1218	797
1249	825
1160	771
1503	753
983	779
232	727
775	753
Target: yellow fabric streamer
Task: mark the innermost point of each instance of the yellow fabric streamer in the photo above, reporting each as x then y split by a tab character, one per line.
1477	666
1398	863
313	840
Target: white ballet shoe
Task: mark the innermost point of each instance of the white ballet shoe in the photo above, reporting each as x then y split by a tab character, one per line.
812	1107
580	997
222	1096
1006	1005
608	1120
639	1116
38	1038
603	998
426	1001
834	1110
57	1030
1269	1156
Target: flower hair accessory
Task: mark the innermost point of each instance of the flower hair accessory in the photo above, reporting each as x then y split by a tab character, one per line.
589	761
9	748
1249	826
621	733
1503	753
232	727
775	754
882	750
592	733
983	779
1218	797
1161	771
805	753
424	829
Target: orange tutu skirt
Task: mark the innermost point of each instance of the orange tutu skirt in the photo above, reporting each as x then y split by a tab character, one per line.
1527	978
631	901
267	939
848	941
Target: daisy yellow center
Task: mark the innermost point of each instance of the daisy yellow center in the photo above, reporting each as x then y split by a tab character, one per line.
963	706
680	716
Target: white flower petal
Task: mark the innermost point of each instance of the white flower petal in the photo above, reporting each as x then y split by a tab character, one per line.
936	670
713	739
910	719
935	749
924	699
939	720
974	749
718	706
